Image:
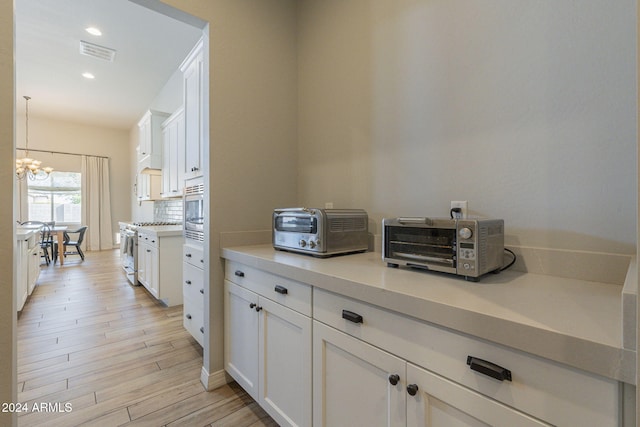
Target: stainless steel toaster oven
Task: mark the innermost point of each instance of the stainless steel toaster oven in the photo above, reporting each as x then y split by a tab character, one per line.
320	232
465	247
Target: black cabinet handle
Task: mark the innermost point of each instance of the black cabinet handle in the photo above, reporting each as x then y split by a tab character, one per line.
252	305
188	282
148	250
187	255
281	290
202	329
188	316
239	273
412	389
202	261
488	368
351	316
202	291
394	379
258	308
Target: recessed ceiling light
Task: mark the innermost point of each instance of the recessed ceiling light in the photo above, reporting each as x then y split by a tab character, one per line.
93	31
88	76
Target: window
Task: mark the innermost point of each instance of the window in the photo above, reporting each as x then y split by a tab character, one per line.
57	198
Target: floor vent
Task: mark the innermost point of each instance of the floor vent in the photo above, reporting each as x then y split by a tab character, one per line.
97	51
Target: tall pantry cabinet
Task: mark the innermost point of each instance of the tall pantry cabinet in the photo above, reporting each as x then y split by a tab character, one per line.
195	136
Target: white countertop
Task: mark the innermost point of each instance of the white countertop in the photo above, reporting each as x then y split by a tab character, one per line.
162	230
23	233
571	321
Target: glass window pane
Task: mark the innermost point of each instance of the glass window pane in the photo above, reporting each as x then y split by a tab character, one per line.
56	198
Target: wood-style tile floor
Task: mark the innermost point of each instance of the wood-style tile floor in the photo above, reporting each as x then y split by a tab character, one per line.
96	351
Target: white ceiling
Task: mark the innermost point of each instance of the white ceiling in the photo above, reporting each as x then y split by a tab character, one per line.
49	67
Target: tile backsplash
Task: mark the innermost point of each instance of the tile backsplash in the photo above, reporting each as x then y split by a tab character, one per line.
167	210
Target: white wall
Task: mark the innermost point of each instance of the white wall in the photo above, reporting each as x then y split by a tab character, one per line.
58	135
524	108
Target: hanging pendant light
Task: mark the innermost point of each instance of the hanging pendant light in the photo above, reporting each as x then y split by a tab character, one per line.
26	166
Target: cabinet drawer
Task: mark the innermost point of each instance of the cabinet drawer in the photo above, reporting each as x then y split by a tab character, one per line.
287	292
150	239
193	283
193	255
542	388
193	319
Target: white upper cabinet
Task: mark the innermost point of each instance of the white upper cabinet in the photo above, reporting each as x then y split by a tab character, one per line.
173	155
193	76
150	140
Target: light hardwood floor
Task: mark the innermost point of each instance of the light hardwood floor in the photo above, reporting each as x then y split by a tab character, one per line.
115	356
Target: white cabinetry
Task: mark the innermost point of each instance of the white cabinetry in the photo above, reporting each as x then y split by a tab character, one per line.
148	186
193	291
193	72
27	264
157	260
447	391
268	341
173	155
350	379
150	140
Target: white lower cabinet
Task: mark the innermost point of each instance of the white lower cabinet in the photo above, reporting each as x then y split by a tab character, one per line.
157	256
193	291
387	391
268	348
351	382
376	367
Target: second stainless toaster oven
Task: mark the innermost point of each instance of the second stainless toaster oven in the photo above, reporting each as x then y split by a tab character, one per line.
465	247
320	232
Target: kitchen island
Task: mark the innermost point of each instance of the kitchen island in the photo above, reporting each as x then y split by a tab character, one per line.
573	323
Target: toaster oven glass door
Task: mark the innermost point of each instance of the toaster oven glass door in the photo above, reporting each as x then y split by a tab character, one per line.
422	245
296	224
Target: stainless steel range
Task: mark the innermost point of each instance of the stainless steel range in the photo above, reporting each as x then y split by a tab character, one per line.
129	246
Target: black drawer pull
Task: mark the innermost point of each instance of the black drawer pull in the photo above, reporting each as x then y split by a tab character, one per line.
202	291
412	389
187	255
188	282
281	290
351	316
239	273
394	379
253	305
202	329
189	316
488	368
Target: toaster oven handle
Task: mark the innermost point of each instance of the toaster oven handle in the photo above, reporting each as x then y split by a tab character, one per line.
414	220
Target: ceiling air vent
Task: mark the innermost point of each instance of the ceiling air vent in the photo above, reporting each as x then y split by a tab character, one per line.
97	51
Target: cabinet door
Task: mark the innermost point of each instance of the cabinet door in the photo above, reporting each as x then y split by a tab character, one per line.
440	402
351	382
285	364
142	261
144	138
34	268
153	271
241	336
193	105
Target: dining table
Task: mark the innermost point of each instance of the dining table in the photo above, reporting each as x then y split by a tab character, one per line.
58	232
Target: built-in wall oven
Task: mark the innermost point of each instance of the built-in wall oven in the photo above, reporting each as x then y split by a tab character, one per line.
194	210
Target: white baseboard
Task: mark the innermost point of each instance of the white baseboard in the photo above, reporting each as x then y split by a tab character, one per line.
214	380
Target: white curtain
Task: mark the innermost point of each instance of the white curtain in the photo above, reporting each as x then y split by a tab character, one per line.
96	203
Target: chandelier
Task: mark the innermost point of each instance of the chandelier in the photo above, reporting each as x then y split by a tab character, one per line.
26	166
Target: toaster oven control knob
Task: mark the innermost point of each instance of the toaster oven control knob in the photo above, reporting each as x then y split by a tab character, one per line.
303	243
465	233
312	244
